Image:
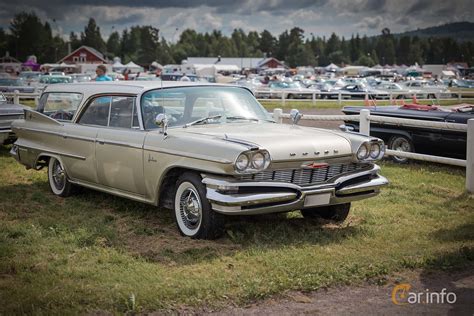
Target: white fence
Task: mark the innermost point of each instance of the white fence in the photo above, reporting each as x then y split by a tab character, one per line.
364	119
340	96
16	96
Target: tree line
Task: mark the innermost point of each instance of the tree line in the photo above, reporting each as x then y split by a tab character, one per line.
143	44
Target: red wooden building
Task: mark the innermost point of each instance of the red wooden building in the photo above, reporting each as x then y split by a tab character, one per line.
84	55
271	62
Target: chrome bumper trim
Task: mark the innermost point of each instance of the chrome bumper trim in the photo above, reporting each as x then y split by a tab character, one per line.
284	197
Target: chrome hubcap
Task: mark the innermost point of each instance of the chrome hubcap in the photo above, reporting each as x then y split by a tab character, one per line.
190	208
58	175
401	144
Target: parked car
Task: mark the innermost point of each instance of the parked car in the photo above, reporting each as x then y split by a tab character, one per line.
292	90
429	89
424	140
12	84
54	79
203	150
359	91
81	77
8	113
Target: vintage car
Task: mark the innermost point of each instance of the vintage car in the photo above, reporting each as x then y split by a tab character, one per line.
8	113
204	150
447	143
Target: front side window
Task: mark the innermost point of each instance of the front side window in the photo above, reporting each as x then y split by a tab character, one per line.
59	105
185	105
111	111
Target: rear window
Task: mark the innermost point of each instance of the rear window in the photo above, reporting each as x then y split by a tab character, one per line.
60	105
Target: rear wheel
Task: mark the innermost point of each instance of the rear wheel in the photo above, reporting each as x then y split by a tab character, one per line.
58	180
193	213
400	143
337	213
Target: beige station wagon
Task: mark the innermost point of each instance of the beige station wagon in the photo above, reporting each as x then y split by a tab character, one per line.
206	151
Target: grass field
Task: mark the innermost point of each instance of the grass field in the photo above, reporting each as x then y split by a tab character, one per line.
325	104
94	252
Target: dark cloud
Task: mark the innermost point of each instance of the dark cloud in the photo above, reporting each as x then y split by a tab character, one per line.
320	17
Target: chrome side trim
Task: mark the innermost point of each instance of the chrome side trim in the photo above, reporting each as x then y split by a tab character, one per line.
373	184
42	150
117	143
187	155
39	131
249	145
84	138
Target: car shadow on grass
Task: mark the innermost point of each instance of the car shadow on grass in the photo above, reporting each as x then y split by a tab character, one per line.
147	232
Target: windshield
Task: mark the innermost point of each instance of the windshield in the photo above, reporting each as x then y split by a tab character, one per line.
185	105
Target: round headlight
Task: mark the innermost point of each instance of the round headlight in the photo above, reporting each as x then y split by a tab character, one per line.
258	161
363	152
375	150
242	162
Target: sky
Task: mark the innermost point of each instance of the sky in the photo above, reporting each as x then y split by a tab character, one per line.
171	17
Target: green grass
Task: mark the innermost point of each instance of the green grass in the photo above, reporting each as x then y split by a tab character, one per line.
333	104
94	252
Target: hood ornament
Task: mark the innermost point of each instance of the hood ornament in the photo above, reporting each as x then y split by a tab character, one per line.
295	116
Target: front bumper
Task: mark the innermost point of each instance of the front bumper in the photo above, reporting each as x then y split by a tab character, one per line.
232	197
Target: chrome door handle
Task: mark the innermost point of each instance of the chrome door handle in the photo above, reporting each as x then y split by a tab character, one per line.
101	141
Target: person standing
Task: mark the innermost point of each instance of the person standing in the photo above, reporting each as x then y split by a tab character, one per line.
101	71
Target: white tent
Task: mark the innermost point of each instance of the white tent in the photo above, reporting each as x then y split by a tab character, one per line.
133	67
331	67
118	66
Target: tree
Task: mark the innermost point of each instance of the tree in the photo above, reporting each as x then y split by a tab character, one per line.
268	43
92	37
113	45
29	36
74	40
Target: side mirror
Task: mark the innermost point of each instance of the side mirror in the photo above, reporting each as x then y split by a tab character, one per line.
295	116
346	128
162	122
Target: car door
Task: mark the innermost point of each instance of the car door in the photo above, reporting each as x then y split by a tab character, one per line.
76	142
119	148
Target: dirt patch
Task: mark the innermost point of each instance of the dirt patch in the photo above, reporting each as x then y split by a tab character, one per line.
370	299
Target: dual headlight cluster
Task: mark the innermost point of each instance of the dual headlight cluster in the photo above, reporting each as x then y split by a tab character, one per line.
373	150
252	161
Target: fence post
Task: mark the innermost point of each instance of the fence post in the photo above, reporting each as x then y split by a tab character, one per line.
339	98
277	115
314	98
459	97
390	97
364	124
470	157
16	97
283	98
37	100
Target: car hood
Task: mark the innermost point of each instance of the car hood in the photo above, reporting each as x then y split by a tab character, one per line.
283	141
6	108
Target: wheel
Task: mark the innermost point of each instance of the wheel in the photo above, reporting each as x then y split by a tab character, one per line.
193	213
337	213
400	143
431	96
57	177
290	96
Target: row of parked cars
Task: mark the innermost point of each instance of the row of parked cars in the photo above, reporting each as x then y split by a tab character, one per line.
346	88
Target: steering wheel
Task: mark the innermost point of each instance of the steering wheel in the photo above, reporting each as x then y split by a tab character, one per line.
61	115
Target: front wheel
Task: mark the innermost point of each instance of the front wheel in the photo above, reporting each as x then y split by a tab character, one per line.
400	143
337	213
58	180
193	213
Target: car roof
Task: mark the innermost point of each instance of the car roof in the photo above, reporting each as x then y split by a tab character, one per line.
131	87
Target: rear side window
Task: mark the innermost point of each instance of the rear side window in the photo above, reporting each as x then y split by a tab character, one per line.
111	111
59	105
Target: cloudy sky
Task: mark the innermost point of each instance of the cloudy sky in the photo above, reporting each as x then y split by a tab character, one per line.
171	17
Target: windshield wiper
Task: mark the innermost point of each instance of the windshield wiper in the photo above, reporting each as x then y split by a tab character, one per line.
202	120
242	118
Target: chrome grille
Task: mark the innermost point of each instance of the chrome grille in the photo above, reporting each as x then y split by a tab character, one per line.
304	177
